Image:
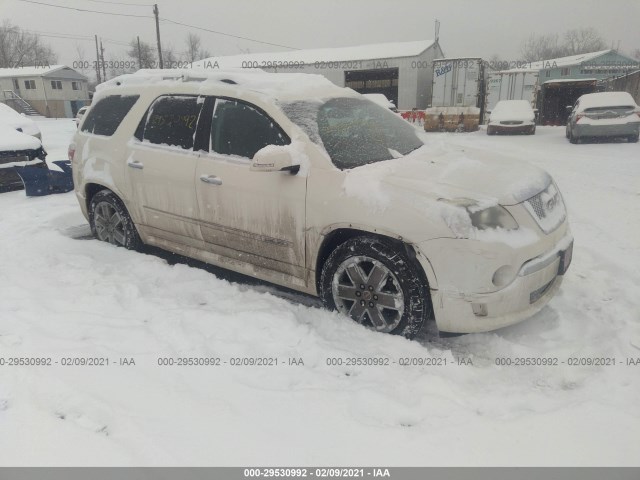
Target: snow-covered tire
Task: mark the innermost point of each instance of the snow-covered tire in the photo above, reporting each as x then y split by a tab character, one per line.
373	280
110	222
633	138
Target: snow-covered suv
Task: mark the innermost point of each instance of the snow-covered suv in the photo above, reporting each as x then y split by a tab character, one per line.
291	179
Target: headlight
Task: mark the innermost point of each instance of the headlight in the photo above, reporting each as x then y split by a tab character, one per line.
492	217
463	215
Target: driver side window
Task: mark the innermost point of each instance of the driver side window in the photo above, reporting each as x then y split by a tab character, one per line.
241	129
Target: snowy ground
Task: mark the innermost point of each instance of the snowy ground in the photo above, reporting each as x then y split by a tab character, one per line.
63	295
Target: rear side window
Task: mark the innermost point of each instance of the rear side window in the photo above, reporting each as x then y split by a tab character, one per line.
240	129
106	115
171	120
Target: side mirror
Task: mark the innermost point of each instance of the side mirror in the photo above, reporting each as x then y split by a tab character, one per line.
274	158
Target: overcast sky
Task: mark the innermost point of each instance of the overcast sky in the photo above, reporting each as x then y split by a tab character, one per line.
468	27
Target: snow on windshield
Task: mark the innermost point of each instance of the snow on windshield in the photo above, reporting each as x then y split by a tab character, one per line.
354	131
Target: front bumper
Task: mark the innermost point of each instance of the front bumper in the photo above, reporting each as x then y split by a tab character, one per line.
534	285
521	128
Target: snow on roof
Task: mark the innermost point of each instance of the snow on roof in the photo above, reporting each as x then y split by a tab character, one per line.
558	62
606	99
34	71
275	85
571	80
338	54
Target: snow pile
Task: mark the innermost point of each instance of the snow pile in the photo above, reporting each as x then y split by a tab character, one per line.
11	139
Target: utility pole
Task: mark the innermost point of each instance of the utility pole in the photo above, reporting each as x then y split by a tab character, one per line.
139	55
104	67
156	13
99	80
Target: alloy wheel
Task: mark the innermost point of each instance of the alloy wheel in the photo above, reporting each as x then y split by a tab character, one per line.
369	292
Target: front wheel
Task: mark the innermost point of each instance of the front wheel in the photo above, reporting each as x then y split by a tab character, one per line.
110	222
373	281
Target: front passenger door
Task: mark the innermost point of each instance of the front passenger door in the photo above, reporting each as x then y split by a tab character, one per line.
256	218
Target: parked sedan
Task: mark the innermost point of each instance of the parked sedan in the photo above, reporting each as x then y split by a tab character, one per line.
18	121
512	116
17	149
604	114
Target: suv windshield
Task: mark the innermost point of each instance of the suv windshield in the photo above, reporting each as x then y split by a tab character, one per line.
354	131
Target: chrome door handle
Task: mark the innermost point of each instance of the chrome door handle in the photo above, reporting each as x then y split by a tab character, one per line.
211	179
136	164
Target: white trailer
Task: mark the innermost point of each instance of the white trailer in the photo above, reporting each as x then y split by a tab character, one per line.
458	94
458	82
517	84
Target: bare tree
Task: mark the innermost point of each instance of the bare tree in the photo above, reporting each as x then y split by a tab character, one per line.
542	47
194	51
20	48
575	42
583	40
145	56
169	57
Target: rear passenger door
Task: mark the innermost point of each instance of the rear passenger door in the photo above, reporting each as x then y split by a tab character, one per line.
253	217
162	166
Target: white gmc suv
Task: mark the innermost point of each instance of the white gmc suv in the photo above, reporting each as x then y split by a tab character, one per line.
293	180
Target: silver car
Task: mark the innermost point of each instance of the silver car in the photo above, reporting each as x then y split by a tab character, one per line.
605	114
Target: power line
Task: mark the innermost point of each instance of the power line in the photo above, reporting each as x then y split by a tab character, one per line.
162	19
74	37
122	3
225	34
86	10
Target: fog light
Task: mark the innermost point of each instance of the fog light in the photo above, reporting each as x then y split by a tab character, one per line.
503	276
479	309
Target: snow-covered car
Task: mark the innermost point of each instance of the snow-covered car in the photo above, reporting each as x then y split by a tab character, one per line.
81	113
17	149
512	116
18	121
298	182
605	114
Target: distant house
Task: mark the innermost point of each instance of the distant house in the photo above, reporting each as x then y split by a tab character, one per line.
53	91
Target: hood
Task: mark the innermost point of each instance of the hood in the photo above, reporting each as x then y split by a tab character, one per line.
471	173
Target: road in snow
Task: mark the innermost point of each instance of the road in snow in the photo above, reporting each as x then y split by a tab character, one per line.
62	295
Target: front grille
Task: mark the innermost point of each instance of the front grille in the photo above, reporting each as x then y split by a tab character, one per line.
511	122
547	208
536	203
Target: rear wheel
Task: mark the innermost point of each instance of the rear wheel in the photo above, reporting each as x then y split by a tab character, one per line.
110	222
572	139
373	281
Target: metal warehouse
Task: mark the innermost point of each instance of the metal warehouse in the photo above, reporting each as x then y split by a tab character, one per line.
402	71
